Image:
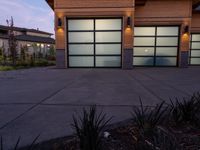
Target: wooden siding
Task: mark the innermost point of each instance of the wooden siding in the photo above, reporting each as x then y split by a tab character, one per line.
195	23
169	9
93	3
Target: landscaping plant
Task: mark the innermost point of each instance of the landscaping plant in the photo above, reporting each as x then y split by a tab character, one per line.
12	42
147	119
89	128
186	111
16	146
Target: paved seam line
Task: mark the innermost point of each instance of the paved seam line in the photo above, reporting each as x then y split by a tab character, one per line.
149	90
184	92
31	108
69	84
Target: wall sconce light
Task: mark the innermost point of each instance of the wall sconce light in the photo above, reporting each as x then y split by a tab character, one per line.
59	22
186	29
129	22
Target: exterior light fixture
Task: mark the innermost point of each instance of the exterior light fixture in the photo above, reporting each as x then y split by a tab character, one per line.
186	29
129	22
59	22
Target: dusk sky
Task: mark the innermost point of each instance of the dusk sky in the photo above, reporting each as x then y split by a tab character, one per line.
28	13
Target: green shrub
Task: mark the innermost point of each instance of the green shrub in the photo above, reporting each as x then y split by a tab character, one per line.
186	111
89	128
41	62
146	119
6	68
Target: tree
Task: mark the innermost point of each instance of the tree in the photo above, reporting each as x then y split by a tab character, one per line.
35	48
12	41
24	50
3	54
52	52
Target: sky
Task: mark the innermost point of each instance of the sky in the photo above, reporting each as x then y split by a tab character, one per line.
31	14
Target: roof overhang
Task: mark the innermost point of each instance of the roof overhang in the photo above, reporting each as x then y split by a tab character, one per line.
51	3
140	2
196	3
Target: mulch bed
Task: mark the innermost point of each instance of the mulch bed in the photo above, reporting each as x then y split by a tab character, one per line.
122	137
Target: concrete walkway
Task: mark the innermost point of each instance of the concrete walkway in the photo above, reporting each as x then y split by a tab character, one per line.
43	100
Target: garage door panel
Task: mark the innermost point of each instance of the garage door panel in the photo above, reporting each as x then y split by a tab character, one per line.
195	61
109	61
144	51
143	61
83	61
144	41
166	51
167	41
108	49
81	49
195	45
106	37
195	53
167	31
86	24
195	37
81	37
144	31
111	24
166	61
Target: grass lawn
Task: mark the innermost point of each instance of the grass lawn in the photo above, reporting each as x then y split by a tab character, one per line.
8	68
26	65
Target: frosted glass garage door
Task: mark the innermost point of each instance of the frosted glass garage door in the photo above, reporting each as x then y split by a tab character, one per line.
195	49
94	42
156	46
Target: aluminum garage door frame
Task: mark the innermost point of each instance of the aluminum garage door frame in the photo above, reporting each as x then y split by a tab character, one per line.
94	43
156	46
194	59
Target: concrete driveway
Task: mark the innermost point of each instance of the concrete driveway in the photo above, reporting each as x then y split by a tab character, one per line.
43	100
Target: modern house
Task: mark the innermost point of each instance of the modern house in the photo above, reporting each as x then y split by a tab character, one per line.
126	33
34	39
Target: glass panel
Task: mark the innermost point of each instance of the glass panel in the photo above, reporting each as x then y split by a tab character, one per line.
144	31
143	51
166	61
166	51
81	37
195	61
195	53
144	41
166	31
81	61
81	49
80	25
109	61
195	37
195	45
143	61
108	24
108	49
108	36
167	41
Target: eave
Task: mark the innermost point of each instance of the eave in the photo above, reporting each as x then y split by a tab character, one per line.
51	3
140	2
196	3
